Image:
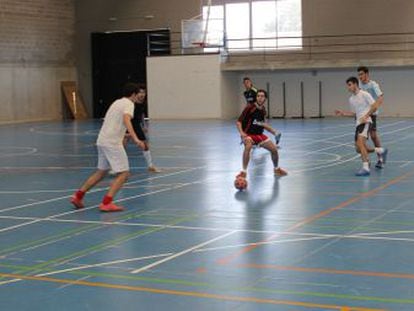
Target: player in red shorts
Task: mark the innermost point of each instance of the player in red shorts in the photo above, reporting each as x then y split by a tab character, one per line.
251	124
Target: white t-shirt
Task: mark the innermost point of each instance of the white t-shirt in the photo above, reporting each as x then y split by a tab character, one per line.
373	89
360	104
113	129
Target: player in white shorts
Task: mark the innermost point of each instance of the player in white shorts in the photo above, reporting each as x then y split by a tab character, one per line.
362	106
111	152
373	88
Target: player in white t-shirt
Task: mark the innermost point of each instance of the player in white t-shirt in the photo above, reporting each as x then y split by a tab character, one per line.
111	152
362	106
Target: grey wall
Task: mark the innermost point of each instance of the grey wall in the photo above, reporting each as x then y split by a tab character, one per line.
396	83
43	42
36	53
320	17
335	17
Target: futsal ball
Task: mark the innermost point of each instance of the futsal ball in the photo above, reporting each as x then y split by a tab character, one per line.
240	183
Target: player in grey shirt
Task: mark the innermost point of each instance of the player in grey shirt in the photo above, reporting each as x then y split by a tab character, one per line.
373	88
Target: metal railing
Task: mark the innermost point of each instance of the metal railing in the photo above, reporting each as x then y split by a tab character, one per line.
353	46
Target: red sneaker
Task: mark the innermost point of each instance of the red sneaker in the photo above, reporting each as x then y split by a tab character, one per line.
280	172
111	207
78	203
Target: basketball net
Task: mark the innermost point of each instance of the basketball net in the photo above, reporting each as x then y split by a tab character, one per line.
195	30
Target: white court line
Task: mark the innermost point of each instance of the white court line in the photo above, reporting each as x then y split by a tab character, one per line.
189	250
352	234
71	284
82	267
319	130
96	205
97	190
72	190
23	153
352	145
314	168
56	240
261	243
342	135
126	224
344	161
83	167
366	236
384	233
18	226
195	228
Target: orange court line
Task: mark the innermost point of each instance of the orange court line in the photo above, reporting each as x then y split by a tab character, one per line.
186	293
331	271
229	258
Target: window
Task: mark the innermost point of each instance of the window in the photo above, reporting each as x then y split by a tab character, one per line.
264	28
255	25
213	24
289	24
237	25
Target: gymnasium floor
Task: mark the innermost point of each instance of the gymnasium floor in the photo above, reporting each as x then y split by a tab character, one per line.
318	239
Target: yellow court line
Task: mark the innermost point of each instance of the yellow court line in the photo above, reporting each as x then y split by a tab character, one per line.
187	293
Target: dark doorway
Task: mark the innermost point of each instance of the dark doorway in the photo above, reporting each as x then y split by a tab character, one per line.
120	57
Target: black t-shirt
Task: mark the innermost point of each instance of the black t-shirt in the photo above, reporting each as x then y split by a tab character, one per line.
252	119
138	119
250	95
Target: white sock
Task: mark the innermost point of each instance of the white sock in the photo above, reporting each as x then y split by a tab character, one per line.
148	158
365	166
379	150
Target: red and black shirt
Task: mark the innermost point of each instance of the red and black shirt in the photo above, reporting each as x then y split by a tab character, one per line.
252	119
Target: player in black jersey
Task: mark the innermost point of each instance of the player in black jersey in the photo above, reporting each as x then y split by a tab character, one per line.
141	129
251	124
251	92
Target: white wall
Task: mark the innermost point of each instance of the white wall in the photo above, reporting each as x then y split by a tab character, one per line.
184	87
194	87
230	101
396	83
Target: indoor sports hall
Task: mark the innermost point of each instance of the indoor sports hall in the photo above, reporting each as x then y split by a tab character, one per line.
323	237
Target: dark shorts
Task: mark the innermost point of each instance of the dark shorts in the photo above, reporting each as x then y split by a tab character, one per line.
374	122
140	132
363	130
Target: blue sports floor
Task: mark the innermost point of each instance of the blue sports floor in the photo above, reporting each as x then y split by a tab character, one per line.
318	239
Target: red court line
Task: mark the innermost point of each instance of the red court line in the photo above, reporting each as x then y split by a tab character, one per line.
331	271
227	259
187	293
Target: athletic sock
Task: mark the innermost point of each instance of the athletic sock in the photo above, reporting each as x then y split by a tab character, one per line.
148	158
365	165
379	151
